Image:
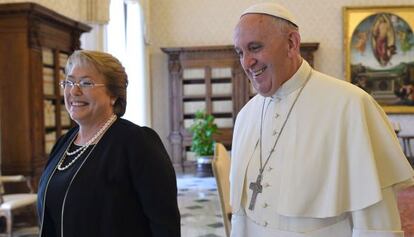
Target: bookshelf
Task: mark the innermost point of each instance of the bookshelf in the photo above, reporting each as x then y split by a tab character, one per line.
207	78
35	43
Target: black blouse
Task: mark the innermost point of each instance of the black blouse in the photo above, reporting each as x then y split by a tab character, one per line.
126	187
58	185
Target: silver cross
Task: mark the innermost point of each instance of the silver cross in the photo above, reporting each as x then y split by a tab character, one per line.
256	187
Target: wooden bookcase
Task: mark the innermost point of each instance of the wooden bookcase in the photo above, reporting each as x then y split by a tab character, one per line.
35	43
210	79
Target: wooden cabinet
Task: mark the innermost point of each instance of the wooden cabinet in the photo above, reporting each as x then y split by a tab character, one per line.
34	45
210	79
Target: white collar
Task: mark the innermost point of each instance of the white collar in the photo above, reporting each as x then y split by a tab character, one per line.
295	82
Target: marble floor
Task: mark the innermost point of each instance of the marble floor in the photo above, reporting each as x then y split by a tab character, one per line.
199	206
201	215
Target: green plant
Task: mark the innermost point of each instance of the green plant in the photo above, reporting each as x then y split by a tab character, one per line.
203	129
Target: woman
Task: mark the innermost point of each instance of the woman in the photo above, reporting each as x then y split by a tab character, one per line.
106	176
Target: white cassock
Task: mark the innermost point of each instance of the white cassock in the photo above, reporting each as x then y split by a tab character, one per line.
335	168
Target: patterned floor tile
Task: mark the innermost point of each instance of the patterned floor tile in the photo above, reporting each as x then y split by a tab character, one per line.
210	235
194	207
186	215
216	225
200	222
202	200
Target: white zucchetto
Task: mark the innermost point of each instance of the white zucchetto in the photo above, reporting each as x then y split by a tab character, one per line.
272	9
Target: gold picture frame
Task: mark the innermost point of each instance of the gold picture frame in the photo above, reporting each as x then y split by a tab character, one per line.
379	54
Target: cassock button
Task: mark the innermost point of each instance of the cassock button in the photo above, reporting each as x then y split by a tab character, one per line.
275	132
269	168
264	205
277	115
265	223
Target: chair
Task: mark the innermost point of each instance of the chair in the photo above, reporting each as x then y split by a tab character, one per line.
406	140
221	170
10	203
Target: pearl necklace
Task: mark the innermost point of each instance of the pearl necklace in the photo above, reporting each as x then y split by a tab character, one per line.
83	148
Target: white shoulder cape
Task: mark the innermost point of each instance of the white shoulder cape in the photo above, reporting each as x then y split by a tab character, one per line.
342	151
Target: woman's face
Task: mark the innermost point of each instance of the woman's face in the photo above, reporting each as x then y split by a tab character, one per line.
87	105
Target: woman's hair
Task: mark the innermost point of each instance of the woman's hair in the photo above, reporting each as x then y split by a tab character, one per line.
112	70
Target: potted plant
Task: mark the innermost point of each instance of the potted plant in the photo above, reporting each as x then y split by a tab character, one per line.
202	144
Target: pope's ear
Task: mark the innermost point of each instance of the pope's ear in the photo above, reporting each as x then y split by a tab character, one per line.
294	43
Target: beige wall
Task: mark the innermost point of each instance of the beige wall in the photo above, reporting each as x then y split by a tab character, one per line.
210	22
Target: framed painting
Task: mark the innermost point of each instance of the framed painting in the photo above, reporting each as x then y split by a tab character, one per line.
379	51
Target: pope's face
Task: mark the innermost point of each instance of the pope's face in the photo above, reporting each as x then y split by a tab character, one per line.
263	51
88	105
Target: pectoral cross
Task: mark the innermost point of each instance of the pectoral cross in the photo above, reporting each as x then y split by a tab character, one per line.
256	187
